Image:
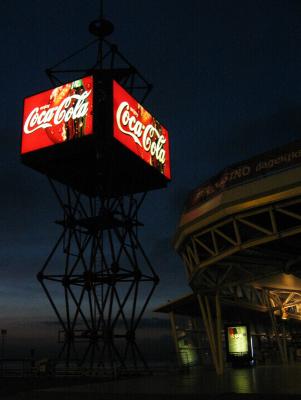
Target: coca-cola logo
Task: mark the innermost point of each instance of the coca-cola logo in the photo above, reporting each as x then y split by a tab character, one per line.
72	107
146	136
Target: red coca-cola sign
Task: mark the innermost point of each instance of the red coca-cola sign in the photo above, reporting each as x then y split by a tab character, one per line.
58	115
139	131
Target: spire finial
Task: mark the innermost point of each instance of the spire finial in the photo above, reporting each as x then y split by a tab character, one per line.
101	9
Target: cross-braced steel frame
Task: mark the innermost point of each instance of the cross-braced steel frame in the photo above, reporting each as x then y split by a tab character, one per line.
245	247
98	261
106	278
227	258
109	58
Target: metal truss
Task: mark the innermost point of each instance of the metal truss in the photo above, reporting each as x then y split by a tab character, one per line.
286	303
283	303
272	302
109	60
245	247
98	262
105	277
228	260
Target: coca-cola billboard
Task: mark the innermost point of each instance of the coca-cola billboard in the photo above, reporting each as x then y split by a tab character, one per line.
92	128
58	115
139	131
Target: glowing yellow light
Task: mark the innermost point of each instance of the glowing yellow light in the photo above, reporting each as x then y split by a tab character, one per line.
238	340
284	314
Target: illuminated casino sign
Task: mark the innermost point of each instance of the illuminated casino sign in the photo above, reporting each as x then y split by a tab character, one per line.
265	164
58	115
139	131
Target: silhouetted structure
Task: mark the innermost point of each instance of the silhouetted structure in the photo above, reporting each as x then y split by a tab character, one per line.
98	262
239	239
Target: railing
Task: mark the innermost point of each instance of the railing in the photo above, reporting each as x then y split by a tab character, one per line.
173	363
16	367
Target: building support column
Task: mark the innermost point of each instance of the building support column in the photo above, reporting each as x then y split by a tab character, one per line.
281	343
219	332
284	343
214	335
175	337
197	332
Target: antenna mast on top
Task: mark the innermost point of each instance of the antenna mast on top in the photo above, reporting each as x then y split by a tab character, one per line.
108	57
101	9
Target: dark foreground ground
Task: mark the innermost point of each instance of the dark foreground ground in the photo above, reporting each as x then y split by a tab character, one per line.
268	382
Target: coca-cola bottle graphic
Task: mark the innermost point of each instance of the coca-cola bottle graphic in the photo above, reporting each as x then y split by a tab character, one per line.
153	159
70	128
75	128
57	133
147	119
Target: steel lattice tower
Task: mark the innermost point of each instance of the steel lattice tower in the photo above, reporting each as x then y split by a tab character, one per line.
104	273
98	263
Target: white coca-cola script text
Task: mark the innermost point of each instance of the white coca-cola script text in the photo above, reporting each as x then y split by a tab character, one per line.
46	116
142	135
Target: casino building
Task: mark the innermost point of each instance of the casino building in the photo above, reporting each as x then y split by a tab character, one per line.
239	239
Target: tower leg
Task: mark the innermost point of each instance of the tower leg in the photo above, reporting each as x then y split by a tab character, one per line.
213	335
106	277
